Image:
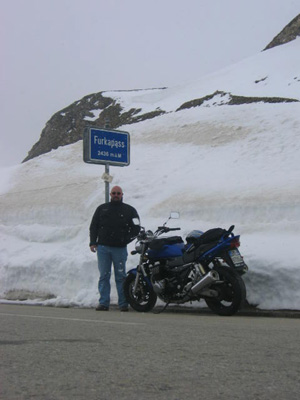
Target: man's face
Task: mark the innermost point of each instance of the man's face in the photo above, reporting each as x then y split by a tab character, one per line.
116	194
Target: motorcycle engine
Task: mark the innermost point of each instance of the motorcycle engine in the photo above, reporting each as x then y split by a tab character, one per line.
172	284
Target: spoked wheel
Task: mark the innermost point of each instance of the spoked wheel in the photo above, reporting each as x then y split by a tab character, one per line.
231	292
144	298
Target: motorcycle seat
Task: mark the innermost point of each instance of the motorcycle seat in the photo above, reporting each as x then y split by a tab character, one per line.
191	256
209	236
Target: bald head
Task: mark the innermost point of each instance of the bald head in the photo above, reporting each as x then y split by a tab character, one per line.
116	193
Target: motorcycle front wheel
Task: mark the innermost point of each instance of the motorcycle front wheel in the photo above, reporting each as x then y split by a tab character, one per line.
231	292
144	299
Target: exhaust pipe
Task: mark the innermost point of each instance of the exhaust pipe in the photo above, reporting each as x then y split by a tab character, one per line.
208	279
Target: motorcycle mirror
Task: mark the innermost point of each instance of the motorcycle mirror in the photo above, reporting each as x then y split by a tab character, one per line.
174	215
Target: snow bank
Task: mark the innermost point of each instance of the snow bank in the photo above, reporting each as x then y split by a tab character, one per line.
216	165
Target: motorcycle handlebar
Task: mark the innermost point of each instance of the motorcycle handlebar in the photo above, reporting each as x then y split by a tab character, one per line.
167	229
147	235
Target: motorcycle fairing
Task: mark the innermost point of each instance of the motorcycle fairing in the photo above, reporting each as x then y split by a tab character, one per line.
204	252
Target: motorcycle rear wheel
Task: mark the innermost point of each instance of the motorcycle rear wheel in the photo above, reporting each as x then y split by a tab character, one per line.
144	299
232	292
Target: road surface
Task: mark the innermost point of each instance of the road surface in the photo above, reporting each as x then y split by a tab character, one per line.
71	353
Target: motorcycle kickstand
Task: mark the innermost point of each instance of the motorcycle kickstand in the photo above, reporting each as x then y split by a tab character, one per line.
159	312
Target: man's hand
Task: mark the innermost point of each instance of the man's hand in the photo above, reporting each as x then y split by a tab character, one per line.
93	248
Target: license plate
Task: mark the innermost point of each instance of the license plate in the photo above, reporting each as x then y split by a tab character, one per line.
236	258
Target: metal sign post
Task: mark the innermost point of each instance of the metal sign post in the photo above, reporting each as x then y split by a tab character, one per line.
107	171
108	147
107	184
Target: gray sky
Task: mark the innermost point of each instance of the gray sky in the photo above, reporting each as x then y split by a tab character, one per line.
54	52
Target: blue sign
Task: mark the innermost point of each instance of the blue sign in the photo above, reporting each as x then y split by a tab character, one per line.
104	146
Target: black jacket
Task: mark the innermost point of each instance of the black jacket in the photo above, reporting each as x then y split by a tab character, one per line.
113	225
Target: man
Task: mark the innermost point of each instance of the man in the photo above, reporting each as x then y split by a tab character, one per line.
113	226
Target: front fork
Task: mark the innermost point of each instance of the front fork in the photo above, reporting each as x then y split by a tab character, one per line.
140	270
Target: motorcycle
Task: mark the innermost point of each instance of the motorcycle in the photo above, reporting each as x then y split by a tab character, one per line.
207	266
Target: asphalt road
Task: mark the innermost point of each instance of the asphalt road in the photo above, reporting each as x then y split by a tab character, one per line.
68	353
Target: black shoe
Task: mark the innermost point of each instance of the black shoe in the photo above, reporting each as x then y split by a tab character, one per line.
100	307
124	309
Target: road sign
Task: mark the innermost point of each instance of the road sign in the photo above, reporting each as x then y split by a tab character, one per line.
105	146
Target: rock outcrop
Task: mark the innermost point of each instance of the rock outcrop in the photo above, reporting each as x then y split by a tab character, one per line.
289	33
221	98
67	125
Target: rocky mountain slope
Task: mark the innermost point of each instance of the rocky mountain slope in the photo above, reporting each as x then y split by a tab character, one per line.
97	109
290	32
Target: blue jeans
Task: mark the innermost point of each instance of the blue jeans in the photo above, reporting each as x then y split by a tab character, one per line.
107	256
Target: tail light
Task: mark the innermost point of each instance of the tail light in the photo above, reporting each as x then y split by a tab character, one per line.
235	243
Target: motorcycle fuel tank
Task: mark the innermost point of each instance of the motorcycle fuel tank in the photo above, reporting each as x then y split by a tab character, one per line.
167	251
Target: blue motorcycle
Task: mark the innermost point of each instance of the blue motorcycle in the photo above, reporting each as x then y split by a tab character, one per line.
208	265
